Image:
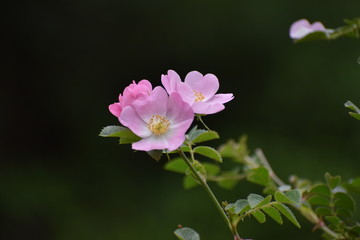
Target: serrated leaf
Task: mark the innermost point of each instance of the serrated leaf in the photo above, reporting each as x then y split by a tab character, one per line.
189	182
290	197
343	200
241	206
333	182
287	213
155	154
273	213
259	176
211	169
254	200
260	216
321	189
186	234
265	201
176	165
208	152
205	136
318	200
125	134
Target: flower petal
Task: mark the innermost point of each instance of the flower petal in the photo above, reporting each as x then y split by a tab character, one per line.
318	26
177	110
170	81
297	28
208	85
146	83
115	109
155	104
221	98
129	118
152	142
207	108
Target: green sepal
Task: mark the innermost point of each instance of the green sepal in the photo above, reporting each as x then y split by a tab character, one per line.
208	152
186	234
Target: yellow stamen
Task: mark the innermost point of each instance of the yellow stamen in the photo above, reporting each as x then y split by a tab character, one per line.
198	96
158	124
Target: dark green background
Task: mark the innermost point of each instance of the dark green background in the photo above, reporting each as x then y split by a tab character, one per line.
66	61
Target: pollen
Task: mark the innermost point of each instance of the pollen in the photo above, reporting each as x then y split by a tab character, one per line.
158	125
198	96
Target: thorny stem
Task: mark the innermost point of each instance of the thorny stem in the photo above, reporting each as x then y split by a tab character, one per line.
211	195
311	216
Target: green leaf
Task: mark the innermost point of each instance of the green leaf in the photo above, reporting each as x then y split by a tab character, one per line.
211	169
189	182
323	211
186	234
287	213
332	219
155	154
333	182
290	197
236	151
208	152
259	176
343	213
254	200
353	107
321	189
241	206
318	35
228	183
200	135
273	213
125	134
343	200
353	185
260	216
176	165
318	200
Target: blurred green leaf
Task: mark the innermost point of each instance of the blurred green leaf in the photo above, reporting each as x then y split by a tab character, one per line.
189	182
260	216
211	169
319	200
236	151
273	213
259	176
323	211
353	185
208	152
186	234
176	165
343	200
332	219
321	189
228	183
332	181
287	213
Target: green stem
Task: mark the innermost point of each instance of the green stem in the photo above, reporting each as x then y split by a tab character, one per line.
211	195
200	119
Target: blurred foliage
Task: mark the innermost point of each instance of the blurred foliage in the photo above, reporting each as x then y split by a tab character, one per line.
66	61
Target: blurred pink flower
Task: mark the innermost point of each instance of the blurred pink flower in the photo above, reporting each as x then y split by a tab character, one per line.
197	90
302	27
131	93
160	120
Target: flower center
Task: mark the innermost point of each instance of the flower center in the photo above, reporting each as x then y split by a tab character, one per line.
158	124
198	96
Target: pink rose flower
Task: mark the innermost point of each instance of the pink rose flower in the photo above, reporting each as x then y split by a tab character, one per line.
160	120
131	93
198	91
302	27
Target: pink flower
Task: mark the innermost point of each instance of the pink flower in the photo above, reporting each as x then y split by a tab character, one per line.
302	27
160	120
131	93
197	90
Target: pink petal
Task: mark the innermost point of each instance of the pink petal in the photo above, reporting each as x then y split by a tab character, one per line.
177	110
206	108
129	118
176	136
155	104
146	83
170	81
208	85
152	142
115	109
318	26
221	98
298	29
186	93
